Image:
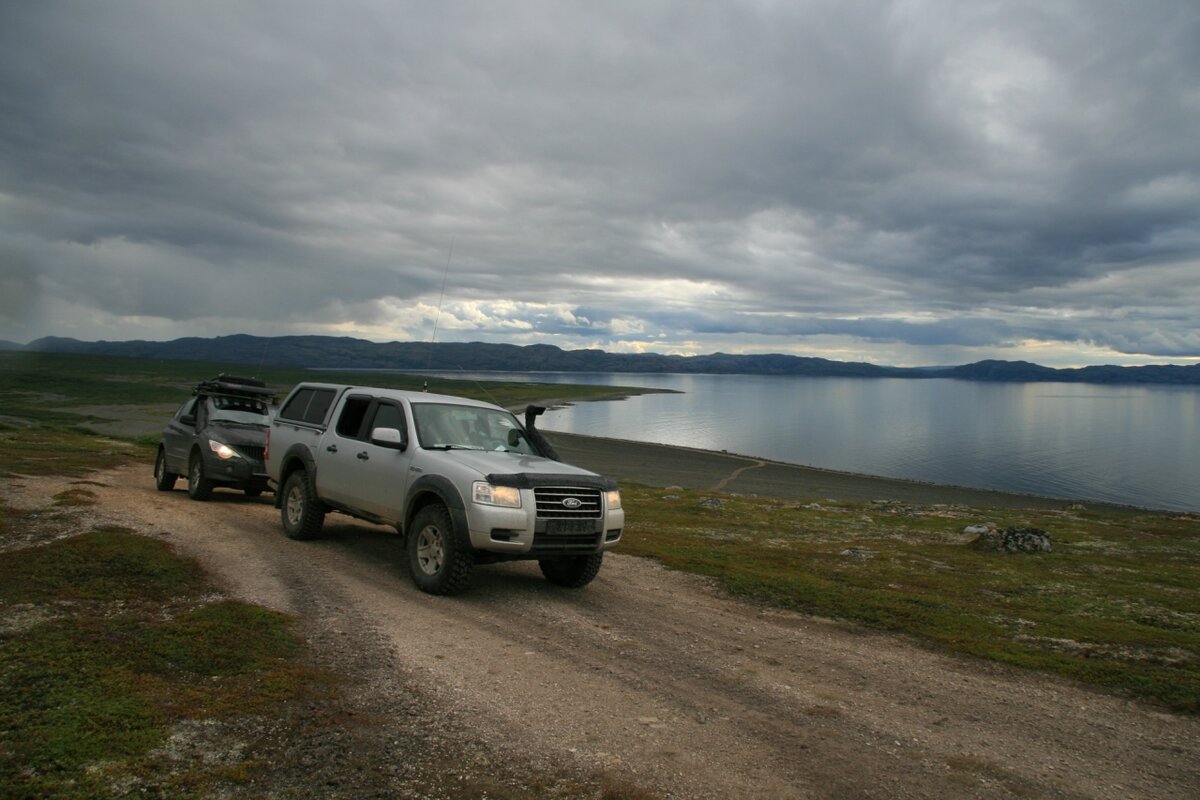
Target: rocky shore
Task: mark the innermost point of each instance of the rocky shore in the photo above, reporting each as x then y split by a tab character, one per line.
666	465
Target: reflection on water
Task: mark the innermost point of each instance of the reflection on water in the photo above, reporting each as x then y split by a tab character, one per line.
1122	444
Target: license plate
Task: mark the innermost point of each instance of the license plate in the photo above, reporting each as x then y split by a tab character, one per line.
561	526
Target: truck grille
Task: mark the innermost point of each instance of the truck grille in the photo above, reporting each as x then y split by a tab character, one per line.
251	452
566	502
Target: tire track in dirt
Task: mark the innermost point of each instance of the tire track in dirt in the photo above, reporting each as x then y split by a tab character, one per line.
737	473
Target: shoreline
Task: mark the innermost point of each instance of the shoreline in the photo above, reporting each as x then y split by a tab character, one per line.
664	465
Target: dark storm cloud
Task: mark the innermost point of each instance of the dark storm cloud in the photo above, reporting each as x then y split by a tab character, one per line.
927	173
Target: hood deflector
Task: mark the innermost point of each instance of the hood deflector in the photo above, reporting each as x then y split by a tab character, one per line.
532	480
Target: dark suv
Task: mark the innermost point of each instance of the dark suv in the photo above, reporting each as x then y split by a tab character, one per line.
218	438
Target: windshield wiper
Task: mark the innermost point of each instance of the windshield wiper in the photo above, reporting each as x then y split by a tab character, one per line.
451	447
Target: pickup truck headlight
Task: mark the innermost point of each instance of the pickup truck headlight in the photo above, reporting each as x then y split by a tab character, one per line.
223	451
613	499
489	495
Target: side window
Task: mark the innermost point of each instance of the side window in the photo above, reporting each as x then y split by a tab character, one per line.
354	411
389	416
187	410
308	405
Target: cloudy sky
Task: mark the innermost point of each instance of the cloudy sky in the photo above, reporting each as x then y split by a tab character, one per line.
908	183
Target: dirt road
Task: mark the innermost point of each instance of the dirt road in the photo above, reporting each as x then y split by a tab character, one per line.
657	678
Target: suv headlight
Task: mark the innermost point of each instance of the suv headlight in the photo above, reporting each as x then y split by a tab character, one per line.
489	495
613	499
223	451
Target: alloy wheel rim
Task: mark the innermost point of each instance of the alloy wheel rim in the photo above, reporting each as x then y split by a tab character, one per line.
295	505
430	552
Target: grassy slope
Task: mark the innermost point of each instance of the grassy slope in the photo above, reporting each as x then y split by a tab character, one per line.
1116	605
39	385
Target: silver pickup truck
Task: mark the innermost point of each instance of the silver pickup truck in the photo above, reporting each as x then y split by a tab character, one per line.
462	481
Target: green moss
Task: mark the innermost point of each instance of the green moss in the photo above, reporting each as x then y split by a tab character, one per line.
104	565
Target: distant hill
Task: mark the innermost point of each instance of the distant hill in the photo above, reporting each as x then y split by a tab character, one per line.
341	352
5	344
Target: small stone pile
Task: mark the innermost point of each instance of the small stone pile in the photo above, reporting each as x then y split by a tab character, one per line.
1015	540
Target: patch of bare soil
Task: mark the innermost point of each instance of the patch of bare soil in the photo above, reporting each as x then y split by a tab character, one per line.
646	683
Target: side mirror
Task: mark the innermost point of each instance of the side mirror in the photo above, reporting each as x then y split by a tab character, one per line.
514	437
189	420
390	438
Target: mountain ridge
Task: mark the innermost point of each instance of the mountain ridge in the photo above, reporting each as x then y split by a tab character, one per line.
344	352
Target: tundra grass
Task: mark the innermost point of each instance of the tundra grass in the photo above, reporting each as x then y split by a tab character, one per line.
1116	605
108	641
72	452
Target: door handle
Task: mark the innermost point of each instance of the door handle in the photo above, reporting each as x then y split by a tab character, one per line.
363	456
332	448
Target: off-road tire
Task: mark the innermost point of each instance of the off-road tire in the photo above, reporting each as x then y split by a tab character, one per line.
302	514
163	481
199	487
437	560
573	572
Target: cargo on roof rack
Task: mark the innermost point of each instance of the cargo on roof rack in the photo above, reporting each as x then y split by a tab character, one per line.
232	384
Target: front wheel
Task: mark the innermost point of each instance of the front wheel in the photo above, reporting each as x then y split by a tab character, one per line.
164	481
574	572
438	562
199	487
302	513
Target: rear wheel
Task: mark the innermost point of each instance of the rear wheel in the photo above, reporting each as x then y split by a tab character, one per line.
438	562
164	481
199	487
573	572
302	513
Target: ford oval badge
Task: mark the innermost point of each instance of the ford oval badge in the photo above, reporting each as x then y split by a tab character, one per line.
572	502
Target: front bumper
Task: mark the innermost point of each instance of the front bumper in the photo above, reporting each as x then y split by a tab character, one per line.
239	472
522	531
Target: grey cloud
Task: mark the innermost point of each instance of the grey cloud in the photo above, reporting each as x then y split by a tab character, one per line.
922	172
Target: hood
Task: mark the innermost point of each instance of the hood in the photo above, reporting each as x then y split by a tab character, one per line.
234	435
517	469
488	461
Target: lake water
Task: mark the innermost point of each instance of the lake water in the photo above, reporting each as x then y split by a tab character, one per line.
1137	445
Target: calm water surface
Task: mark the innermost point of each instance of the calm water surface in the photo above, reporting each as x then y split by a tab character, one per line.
1124	444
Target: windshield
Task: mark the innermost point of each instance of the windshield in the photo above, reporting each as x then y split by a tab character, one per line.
470	428
245	410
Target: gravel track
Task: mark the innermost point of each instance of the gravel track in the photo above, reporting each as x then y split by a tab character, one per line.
649	678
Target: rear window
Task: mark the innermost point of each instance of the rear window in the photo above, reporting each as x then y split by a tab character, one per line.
308	405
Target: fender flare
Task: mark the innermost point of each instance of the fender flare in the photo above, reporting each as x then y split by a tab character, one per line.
448	495
298	456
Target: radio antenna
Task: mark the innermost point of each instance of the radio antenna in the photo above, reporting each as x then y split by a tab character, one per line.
438	317
263	359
